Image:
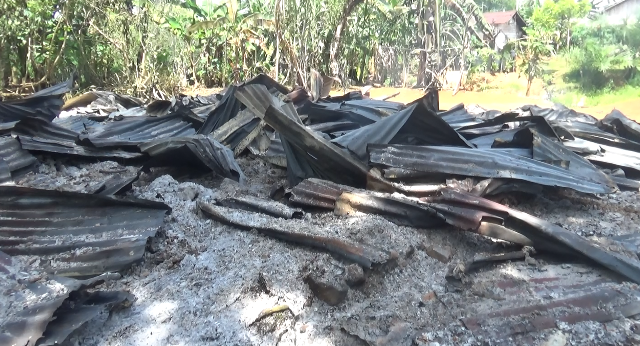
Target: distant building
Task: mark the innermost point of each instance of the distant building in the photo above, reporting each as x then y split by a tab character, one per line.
620	11
508	26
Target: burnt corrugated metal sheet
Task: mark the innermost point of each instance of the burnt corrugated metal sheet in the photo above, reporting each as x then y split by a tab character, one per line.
117	184
592	133
76	234
227	109
317	193
426	161
45	311
240	131
415	125
76	124
469	212
532	305
458	116
269	82
268	147
13	113
617	123
553	152
197	150
37	134
130	132
560	114
14	160
48	101
308	154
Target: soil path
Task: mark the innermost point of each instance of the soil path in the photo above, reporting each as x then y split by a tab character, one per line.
501	101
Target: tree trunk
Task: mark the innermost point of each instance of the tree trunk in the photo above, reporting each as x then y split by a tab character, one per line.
422	45
334	52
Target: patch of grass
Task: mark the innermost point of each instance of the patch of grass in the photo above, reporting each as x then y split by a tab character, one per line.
515	87
602	98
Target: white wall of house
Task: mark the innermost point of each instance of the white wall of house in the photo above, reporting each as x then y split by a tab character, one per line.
623	11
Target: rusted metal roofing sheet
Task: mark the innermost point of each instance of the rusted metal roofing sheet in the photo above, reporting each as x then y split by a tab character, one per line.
472	213
130	132
76	234
13	159
535	304
197	150
317	193
425	161
40	135
45	310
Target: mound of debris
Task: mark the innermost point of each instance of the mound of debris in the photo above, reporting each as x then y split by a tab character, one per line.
267	215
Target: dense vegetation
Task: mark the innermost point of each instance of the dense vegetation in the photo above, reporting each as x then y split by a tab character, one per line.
144	44
141	46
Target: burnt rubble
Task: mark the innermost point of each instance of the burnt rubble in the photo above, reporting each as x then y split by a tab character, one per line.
348	157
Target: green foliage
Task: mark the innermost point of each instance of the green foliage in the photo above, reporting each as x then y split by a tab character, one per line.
558	16
601	97
497	5
144	45
604	55
535	48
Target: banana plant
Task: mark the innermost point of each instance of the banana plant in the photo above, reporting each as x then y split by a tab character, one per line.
238	33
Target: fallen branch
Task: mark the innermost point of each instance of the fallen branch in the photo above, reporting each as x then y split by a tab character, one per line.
270	311
365	256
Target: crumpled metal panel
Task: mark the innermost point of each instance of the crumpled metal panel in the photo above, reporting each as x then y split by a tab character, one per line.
240	131
335	127
592	133
425	161
415	125
76	123
130	132
76	234
45	104
317	193
331	112
45	311
12	113
549	151
268	147
560	113
468	212
13	159
458	116
226	110
197	150
308	154
269	82
40	135
617	123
